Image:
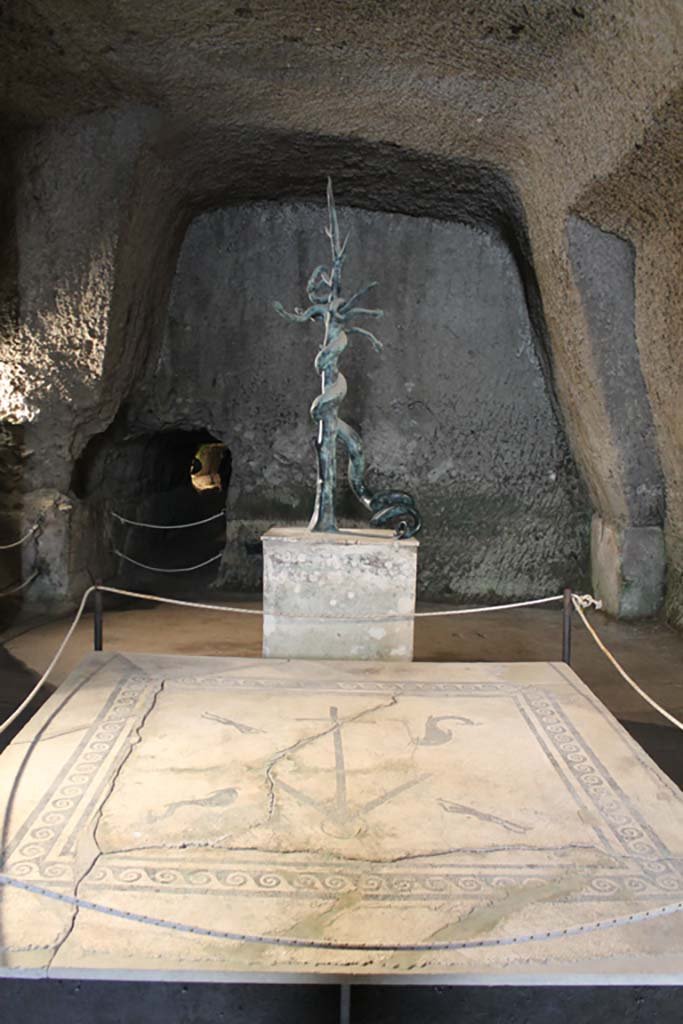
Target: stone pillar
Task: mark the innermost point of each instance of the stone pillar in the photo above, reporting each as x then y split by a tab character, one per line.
321	592
628	568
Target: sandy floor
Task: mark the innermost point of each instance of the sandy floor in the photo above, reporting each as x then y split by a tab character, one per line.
650	651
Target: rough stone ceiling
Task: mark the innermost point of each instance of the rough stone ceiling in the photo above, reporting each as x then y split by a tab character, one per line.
122	120
487	73
85	56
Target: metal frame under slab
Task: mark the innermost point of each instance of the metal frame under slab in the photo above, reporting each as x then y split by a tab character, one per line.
336	807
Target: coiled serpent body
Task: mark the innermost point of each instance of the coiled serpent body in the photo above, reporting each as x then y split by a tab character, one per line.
388	508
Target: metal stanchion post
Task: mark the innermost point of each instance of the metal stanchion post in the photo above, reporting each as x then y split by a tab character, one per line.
97	621
567	608
344	1004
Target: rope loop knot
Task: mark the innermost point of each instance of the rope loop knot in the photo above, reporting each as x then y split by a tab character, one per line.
586	601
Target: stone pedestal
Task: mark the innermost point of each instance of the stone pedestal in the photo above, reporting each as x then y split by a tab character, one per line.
321	589
628	568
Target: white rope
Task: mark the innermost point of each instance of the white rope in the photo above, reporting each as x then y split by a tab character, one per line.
155	568
161	526
21	586
315	618
485	608
582	601
378	947
579	601
182	604
586	601
22	540
60	650
174	601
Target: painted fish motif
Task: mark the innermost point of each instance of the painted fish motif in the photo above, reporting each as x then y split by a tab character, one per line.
434	735
219	798
452	808
240	726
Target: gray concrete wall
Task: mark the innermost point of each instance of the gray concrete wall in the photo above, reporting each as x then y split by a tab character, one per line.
457	408
604	270
75	1002
628	558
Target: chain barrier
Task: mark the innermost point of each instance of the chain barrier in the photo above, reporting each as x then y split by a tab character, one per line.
168	526
156	568
22	540
329	944
15	544
20	586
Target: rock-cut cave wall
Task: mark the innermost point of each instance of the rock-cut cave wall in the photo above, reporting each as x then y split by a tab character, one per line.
564	135
457	408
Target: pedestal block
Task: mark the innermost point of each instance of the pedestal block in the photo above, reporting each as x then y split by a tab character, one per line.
628	568
320	591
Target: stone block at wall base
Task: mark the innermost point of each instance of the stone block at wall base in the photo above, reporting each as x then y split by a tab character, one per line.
323	594
628	565
58	552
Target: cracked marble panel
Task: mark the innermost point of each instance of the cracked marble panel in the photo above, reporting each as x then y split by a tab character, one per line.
351	802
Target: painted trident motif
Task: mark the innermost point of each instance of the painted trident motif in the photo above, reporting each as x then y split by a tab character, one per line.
324	290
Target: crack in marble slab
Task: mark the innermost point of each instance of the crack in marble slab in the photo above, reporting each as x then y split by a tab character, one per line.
204	844
215	843
97	818
306	740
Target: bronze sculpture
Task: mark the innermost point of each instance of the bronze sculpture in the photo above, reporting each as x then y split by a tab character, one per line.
395	508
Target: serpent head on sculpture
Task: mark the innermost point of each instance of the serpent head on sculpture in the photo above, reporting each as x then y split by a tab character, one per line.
326	304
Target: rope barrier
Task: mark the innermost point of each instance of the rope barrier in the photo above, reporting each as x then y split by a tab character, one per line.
585	601
15	544
77	618
485	608
328	944
314	618
156	568
182	604
581	602
21	586
43	679
22	540
175	526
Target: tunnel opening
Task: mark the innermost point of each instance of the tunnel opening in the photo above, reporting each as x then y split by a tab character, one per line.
133	484
185	476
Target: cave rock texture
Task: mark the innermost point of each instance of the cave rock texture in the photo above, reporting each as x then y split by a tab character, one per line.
510	172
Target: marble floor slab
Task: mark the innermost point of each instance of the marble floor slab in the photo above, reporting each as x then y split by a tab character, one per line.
332	807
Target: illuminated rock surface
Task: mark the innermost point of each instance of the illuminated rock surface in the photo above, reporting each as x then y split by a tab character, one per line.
553	130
